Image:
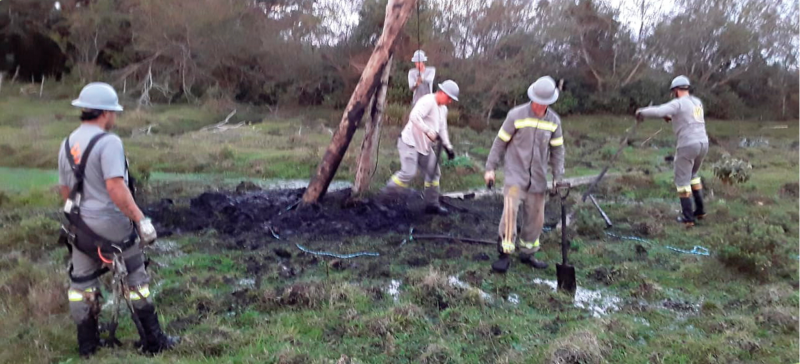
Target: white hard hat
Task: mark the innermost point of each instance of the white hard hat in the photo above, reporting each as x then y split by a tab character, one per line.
680	81
543	91
98	96
419	56
450	88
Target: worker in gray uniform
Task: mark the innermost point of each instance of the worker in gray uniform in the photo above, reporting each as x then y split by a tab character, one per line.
103	220
426	126
530	138
420	78
685	112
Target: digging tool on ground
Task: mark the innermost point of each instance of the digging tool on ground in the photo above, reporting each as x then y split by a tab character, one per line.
602	213
565	273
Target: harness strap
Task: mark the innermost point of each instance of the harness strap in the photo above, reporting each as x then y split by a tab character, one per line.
132	264
74	216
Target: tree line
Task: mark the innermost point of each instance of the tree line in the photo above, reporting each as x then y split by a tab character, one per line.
612	56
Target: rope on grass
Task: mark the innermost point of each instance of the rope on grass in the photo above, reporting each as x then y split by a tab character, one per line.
696	250
335	255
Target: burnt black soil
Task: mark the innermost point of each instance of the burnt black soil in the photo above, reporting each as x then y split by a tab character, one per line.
269	213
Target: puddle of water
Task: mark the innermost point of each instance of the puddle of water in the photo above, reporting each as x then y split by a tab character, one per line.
598	303
247	282
394	289
455	282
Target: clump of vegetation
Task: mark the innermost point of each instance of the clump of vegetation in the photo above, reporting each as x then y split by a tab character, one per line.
732	171
778	319
588	224
578	347
790	190
757	249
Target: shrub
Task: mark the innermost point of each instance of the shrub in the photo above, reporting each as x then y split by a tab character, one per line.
567	104
732	170
757	249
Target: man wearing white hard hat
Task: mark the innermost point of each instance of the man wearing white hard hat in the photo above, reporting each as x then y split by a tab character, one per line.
420	78
426	126
530	138
685	112
102	220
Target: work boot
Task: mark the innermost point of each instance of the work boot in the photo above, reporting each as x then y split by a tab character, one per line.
88	336
700	211
687	215
154	341
502	264
527	258
436	209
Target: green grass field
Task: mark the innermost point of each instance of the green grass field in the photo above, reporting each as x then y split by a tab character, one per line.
738	305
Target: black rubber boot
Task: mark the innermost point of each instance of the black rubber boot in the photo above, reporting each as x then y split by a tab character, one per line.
527	258
687	215
155	340
699	211
502	264
88	336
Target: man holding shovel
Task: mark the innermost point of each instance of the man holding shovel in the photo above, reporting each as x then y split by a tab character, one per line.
530	138
685	112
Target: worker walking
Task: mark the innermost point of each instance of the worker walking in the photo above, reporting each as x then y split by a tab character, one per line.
530	138
103	220
420	78
685	112
426	126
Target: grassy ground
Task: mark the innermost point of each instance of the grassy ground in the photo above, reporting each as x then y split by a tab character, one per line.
738	305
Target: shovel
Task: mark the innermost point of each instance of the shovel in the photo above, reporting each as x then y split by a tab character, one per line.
564	271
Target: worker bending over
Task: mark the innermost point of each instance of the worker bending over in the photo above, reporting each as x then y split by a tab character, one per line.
426	126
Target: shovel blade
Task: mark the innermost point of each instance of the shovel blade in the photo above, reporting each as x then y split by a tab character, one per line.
566	278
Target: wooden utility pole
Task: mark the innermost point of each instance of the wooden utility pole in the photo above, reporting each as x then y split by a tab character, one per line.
366	168
397	13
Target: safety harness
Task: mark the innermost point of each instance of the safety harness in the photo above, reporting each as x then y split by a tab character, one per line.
78	234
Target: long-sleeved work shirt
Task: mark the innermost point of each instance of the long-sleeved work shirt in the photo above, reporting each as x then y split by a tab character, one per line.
688	119
424	88
426	116
529	142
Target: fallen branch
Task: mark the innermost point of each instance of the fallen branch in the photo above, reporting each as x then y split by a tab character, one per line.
221	123
146	130
226	128
454	238
651	137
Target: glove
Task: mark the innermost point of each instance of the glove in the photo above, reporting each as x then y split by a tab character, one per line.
667	119
147	232
432	135
450	153
488	177
639	117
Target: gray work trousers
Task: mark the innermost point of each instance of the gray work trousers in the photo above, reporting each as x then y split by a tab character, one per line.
530	209
84	296
688	160
412	162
